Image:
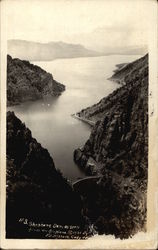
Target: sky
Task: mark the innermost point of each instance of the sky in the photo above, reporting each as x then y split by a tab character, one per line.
93	23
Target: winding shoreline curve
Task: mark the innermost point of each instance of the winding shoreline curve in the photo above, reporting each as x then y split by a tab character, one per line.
91	123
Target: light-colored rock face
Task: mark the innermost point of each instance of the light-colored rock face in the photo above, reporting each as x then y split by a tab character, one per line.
26	82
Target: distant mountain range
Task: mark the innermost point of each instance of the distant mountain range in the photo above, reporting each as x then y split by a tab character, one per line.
34	51
124	50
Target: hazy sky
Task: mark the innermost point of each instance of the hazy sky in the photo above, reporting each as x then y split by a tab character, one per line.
90	22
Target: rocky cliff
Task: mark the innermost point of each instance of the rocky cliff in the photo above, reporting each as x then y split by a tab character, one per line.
36	191
26	82
126	73
117	151
131	71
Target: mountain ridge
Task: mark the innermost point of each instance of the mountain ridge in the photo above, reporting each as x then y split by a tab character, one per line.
26	81
117	149
37	51
121	75
36	190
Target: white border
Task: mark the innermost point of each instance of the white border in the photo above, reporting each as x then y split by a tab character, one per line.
142	240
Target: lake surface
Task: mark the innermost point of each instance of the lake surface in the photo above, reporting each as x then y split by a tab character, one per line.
50	120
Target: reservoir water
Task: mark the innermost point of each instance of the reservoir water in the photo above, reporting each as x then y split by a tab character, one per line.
50	120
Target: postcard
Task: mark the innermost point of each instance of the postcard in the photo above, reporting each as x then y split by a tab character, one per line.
79	112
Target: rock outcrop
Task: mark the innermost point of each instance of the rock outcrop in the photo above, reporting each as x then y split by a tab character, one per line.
130	71
118	150
26	82
36	191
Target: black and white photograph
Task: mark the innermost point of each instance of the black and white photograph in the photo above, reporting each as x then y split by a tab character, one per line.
77	119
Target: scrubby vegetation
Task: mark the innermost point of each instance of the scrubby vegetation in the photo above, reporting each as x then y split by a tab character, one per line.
35	189
118	150
26	82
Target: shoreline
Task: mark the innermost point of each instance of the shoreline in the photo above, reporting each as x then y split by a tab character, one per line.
91	123
117	80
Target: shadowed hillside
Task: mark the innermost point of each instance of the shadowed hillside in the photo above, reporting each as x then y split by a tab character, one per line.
36	191
27	82
117	150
